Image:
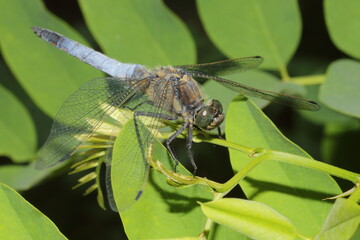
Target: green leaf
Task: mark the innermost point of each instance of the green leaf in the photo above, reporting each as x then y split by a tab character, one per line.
293	191
20	220
254	219
162	211
181	238
47	74
342	222
144	32
17	130
325	115
242	28
21	177
356	235
340	90
343	23
221	231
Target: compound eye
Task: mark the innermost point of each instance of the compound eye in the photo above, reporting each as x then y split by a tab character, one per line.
217	105
210	116
204	117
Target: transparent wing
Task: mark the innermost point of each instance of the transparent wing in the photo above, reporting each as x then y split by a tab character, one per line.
126	173
85	110
81	114
294	102
108	185
223	67
129	171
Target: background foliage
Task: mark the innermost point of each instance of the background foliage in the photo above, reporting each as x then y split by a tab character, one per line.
310	49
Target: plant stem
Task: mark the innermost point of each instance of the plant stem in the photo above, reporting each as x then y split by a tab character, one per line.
355	196
309	80
209	223
311	163
284	74
289	158
224	143
266	154
258	155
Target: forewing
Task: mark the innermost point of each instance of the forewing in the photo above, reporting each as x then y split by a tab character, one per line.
81	114
223	67
294	102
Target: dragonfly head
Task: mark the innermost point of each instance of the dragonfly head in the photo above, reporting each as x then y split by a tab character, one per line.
210	116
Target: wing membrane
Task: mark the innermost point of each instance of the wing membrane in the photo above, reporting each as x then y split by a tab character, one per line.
81	114
294	102
128	170
85	110
223	67
129	167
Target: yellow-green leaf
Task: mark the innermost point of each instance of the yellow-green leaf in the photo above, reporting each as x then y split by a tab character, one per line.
20	220
254	219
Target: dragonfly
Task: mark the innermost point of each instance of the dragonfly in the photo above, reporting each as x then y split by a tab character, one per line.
166	93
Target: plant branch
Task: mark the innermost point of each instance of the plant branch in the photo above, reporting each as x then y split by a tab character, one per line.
258	155
309	80
284	74
288	158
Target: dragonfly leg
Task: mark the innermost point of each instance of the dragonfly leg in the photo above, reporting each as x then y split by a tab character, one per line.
149	114
189	146
219	133
170	139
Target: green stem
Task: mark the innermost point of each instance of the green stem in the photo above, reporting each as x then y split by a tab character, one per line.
180	180
289	158
224	143
355	196
234	181
209	223
265	154
258	155
309	80
284	74
311	163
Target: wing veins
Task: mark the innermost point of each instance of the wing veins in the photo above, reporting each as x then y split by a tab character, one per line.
294	102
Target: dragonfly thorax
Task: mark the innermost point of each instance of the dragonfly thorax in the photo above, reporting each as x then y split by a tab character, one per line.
210	116
168	73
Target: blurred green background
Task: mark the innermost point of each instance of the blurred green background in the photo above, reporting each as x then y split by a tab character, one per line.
302	44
